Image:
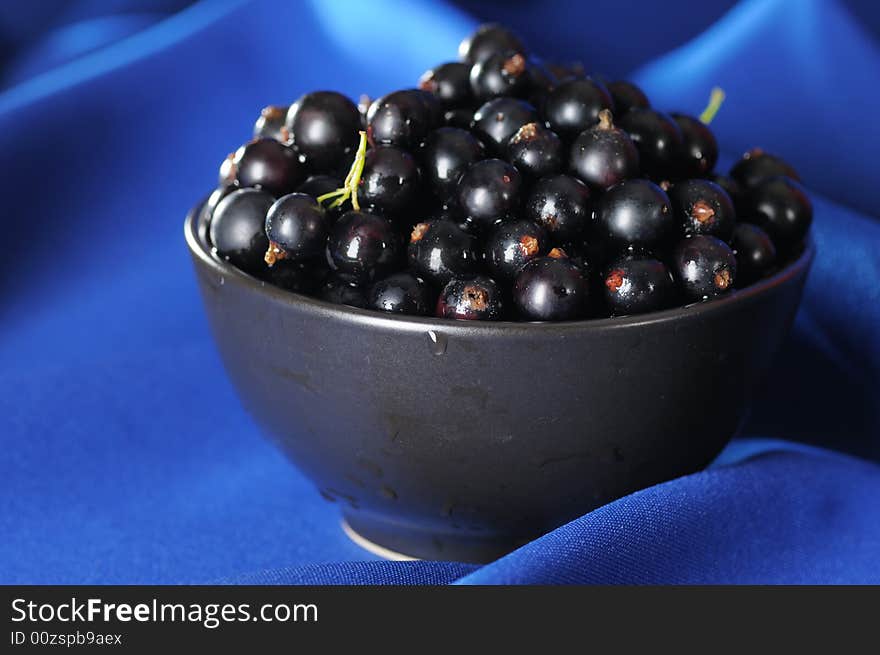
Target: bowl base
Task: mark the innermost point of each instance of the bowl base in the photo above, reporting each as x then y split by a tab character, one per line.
399	543
373	547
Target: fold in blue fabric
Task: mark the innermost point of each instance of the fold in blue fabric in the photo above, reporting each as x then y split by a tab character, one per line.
126	457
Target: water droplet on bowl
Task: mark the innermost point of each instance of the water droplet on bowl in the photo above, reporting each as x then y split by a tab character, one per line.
222	281
438	342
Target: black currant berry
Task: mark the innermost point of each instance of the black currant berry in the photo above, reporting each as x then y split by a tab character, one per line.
637	283
445	157
403	118
704	266
511	245
635	213
296	227
561	204
475	298
551	288
499	119
574	106
237	229
782	207
270	124
535	151
501	74
658	140
299	277
401	293
756	166
564	71
390	182
214	199
488	40
439	250
363	247
450	83
755	253
341	291
541	80
323	127
604	155
488	191
699	151
267	164
627	96
703	207
733	189
317	185
462	118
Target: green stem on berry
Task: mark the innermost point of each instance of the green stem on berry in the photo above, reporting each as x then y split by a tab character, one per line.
349	188
715	100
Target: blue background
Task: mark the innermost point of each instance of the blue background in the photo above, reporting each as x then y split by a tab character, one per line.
125	455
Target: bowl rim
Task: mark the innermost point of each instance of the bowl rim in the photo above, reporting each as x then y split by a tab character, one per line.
200	249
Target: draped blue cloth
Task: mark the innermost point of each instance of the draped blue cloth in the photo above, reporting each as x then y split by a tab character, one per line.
126	457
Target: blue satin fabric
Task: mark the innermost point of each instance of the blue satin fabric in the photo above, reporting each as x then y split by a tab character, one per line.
126	457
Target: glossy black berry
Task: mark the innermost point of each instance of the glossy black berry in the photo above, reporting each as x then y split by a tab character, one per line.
323	127
296	276
450	83
364	102
704	266
214	199
637	283
447	154
270	124
439	250
511	245
535	151
390	182
699	150
296	226
237	229
635	213
363	247
703	207
561	204
551	289
501	74
541	79
317	185
403	118
488	191
462	118
574	106
342	291
627	96
475	298
564	71
782	207
756	166
658	140
755	253
267	164
732	187
603	155
488	40
401	293
499	119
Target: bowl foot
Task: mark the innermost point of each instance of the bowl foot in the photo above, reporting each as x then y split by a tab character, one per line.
373	547
401	543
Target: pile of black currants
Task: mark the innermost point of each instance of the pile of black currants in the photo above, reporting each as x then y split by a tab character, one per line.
502	188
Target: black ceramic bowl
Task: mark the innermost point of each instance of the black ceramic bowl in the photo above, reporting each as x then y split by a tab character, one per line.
461	440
